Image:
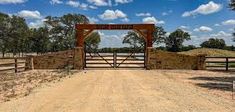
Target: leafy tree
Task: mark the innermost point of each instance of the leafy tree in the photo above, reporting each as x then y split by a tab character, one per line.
92	41
174	41
187	48
214	43
40	42
232	4
133	39
18	33
4	31
62	30
136	40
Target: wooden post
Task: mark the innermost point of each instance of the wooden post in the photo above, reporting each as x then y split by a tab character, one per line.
226	63
149	38
31	63
16	65
114	59
80	37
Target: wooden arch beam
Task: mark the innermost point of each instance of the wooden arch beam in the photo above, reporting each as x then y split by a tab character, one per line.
81	34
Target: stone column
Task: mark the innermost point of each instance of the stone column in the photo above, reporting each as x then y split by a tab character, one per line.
79	57
149	56
201	63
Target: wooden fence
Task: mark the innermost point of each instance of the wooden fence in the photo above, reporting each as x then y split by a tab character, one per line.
12	64
220	63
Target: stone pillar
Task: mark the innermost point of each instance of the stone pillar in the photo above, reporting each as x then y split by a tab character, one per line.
29	65
149	58
201	63
79	57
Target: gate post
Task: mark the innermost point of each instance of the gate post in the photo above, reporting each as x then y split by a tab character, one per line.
79	58
149	56
114	59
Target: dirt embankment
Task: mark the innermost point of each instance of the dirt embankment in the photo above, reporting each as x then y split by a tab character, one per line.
21	84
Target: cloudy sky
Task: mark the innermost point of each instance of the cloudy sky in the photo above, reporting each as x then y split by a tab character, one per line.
203	19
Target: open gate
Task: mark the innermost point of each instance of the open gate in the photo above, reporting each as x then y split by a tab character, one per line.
132	59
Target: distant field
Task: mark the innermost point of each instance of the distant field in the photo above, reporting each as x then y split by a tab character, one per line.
210	52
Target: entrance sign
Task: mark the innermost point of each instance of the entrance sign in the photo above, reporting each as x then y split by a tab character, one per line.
114	27
145	30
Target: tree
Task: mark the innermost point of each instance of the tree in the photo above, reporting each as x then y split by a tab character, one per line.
187	48
175	40
136	40
62	30
4	29
214	43
40	42
18	34
93	40
232	4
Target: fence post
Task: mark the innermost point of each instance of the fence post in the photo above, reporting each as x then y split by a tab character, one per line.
114	59
16	65
226	63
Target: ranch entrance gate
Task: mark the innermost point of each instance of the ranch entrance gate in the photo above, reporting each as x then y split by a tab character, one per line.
133	59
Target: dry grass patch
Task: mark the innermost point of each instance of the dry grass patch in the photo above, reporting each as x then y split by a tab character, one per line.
18	85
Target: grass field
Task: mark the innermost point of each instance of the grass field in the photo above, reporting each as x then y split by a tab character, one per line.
210	52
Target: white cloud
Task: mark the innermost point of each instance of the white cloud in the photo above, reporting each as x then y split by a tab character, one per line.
92	7
204	9
114	40
167	13
12	1
125	20
83	6
56	2
93	20
152	20
203	29
73	3
143	14
184	27
231	29
100	2
216	24
29	14
37	23
123	1
221	34
77	4
111	15
229	22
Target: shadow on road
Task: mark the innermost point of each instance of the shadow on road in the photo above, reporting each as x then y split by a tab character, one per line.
218	83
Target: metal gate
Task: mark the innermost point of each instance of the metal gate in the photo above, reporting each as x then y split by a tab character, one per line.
94	59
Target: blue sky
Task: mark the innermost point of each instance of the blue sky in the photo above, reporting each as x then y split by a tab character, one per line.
203	19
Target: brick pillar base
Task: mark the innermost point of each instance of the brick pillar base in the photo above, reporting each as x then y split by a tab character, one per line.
201	63
79	56
149	58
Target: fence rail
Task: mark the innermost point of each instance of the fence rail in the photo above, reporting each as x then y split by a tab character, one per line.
220	63
12	64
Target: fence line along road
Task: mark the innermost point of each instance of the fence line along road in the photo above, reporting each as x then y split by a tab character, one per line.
220	63
16	64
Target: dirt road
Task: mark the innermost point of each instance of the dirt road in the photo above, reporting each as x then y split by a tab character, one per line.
119	91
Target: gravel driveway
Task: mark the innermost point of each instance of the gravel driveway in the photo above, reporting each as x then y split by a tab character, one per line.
120	91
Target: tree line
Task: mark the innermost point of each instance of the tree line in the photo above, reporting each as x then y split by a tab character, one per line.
58	33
